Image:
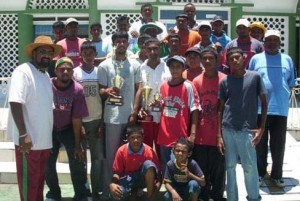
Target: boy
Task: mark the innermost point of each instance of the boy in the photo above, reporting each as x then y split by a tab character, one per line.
87	75
135	166
183	177
179	108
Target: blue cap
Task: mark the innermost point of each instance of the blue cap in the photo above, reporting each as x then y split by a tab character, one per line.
176	58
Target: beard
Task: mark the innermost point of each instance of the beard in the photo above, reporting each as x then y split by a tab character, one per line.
44	63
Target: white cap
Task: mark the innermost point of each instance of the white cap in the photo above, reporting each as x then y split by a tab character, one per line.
205	23
70	20
272	33
243	22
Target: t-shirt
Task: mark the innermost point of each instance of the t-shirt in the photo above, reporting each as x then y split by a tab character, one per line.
178	102
127	162
131	74
207	89
32	89
154	79
278	74
89	81
176	177
188	40
69	104
103	48
224	39
71	49
240	95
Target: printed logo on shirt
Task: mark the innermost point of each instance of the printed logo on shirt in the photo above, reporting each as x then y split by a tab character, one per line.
90	90
63	103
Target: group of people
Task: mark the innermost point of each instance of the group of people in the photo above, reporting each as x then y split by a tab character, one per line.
181	107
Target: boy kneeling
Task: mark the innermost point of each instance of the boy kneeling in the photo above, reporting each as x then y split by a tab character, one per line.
183	177
135	166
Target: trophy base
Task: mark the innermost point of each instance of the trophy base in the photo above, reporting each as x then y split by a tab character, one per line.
118	101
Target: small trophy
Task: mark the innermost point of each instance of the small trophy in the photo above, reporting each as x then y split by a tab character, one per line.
156	98
146	93
117	82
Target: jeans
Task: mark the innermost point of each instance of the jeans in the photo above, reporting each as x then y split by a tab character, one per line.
77	168
166	154
238	143
192	187
275	129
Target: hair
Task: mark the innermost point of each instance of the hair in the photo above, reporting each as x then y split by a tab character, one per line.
119	34
173	35
96	24
122	18
152	40
189	4
134	129
184	141
146	5
209	50
144	37
233	50
58	24
88	45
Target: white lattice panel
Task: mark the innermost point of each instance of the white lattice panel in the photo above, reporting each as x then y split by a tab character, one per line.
280	23
198	1
109	21
58	4
8	44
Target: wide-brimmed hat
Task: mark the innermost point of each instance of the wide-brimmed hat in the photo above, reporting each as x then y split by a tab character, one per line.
42	41
150	25
258	25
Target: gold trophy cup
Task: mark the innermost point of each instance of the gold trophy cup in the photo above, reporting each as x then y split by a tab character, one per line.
146	94
117	82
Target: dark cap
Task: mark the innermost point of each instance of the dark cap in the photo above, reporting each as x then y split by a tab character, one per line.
218	18
233	50
192	49
211	50
182	16
176	58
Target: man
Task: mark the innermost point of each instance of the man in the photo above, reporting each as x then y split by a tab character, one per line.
249	45
146	12
31	117
72	43
204	31
278	73
70	108
257	30
206	153
173	44
116	116
218	33
193	62
238	130
58	30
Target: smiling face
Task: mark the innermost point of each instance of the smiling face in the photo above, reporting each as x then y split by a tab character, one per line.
181	153
121	45
272	44
176	69
88	55
190	11
43	56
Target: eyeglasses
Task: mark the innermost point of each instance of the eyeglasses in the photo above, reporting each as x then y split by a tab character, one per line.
45	52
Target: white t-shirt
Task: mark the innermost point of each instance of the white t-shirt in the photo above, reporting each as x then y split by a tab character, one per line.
33	90
138	24
154	79
89	82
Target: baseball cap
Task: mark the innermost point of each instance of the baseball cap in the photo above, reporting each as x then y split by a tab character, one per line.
64	60
192	49
176	58
204	23
218	18
70	20
243	22
182	16
272	33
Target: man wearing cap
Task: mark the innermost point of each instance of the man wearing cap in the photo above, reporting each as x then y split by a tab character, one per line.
146	12
193	62
69	109
257	30
72	43
204	30
218	33
31	117
249	45
278	73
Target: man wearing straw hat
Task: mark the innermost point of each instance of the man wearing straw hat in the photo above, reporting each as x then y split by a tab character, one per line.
31	117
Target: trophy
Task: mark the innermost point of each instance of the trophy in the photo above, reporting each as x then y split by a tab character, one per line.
117	82
146	94
156	98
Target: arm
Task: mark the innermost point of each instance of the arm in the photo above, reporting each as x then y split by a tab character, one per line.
105	92
173	192
193	128
78	151
24	139
136	104
114	188
200	180
220	143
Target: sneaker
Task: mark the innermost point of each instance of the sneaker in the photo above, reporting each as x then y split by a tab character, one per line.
279	182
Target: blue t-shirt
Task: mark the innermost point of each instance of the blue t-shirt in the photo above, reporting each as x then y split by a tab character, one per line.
278	74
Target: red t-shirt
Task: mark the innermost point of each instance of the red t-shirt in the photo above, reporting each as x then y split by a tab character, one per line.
127	162
188	40
177	104
207	129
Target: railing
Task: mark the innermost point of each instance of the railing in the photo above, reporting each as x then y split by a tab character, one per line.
198	1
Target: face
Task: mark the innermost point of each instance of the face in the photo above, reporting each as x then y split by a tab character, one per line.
182	23
43	56
208	61
121	45
135	141
181	153
72	29
235	61
174	44
88	56
64	72
193	60
218	26
190	11
147	12
257	33
96	31
59	33
242	31
153	50
272	44
205	32
123	25
176	68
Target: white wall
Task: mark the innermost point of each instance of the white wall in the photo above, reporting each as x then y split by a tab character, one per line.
120	4
282	6
12	5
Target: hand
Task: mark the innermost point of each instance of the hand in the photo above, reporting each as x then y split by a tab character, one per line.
191	138
184	169
116	191
134	34
220	145
79	153
175	196
25	143
132	118
171	30
112	91
142	113
257	136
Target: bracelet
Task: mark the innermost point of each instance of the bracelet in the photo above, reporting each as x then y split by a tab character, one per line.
24	135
